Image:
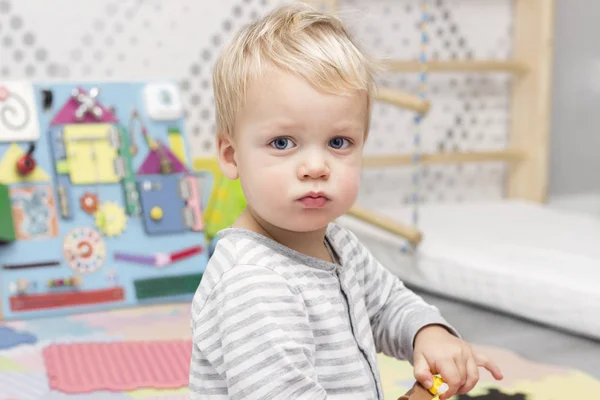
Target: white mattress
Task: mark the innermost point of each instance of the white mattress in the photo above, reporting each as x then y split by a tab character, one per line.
525	259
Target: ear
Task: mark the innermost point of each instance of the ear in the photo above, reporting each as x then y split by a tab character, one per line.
226	156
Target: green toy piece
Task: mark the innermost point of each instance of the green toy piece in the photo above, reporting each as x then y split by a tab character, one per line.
7	227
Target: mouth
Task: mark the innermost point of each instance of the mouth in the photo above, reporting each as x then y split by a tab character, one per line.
314	200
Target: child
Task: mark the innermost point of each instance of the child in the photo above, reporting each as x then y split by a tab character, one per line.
291	305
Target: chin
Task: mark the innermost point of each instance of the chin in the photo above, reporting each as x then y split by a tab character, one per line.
309	222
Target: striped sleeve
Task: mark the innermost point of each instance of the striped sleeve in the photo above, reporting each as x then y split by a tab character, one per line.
396	313
255	334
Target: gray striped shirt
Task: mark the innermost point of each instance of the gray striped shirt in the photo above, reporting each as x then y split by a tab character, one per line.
271	323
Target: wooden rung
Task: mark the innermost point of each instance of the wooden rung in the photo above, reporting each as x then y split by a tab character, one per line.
444	158
402	100
457	66
407	232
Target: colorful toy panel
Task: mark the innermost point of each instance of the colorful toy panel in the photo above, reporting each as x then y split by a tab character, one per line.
99	205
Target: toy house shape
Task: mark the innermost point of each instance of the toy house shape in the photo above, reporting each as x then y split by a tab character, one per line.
168	193
161	189
89	142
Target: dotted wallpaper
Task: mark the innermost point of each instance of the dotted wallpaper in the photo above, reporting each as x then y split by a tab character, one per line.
179	39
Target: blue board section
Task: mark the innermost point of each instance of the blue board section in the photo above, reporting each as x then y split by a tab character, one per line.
89	262
152	189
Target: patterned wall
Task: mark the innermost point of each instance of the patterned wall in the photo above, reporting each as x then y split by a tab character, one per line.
179	39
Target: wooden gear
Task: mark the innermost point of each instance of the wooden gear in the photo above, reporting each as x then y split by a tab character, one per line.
417	392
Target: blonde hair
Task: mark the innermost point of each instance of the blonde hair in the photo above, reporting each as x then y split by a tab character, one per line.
296	38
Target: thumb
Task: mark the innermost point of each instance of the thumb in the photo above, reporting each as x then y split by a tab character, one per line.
422	372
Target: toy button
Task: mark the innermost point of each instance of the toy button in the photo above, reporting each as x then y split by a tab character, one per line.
26	163
156	213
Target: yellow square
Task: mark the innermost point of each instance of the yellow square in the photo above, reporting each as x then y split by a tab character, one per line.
90	155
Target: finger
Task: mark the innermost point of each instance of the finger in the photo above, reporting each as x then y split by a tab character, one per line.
461	365
483	361
462	377
450	374
472	377
422	371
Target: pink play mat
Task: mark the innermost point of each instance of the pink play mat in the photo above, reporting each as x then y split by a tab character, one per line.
117	366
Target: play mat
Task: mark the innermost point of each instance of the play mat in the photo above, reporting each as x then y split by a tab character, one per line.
143	353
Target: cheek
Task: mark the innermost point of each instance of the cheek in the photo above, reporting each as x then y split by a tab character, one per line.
349	182
262	180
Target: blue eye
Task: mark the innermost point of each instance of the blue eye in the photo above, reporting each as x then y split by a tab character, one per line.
282	143
339	143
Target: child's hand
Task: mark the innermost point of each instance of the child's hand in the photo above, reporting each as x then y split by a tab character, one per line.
439	352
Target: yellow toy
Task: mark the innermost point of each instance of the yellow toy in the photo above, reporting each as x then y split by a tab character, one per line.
418	392
439	387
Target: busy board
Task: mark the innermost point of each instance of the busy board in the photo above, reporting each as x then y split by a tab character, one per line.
99	204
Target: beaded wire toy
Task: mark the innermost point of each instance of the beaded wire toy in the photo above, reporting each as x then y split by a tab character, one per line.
421	91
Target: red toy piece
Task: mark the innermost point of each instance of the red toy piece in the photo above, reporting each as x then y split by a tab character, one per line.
89	202
26	164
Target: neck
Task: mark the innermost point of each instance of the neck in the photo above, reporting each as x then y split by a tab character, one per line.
309	243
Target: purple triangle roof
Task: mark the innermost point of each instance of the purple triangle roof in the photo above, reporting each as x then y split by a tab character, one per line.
66	115
151	164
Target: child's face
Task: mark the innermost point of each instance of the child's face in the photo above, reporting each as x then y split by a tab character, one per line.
298	152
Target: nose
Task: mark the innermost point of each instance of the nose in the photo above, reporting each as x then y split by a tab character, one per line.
313	166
